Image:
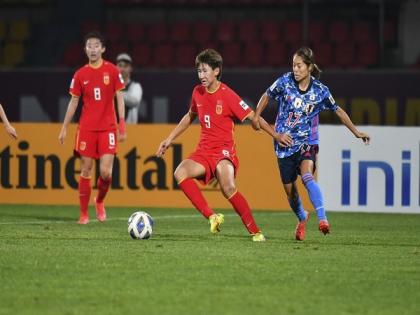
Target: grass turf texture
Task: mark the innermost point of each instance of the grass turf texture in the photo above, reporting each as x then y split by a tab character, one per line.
370	264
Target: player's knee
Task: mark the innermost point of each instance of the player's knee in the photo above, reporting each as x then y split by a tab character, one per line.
180	174
105	173
228	189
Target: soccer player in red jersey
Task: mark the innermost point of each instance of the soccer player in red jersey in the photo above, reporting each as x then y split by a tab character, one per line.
9	128
216	106
98	82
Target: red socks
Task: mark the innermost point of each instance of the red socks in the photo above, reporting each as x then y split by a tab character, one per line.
103	187
84	194
191	190
242	208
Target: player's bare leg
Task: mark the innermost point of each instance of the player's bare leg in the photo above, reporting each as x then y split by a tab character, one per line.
225	173
184	174
315	194
104	181
296	205
85	188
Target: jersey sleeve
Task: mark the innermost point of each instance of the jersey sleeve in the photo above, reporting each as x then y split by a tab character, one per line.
119	81
328	102
276	89
239	108
193	104
75	86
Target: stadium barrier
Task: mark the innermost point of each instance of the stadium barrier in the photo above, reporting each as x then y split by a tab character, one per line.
381	177
36	169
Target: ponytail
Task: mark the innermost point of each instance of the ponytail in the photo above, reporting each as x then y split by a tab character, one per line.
316	71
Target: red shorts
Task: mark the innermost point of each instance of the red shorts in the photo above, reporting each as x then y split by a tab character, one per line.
94	144
210	159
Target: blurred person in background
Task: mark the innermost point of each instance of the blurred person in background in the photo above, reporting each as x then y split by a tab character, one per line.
9	128
98	83
133	91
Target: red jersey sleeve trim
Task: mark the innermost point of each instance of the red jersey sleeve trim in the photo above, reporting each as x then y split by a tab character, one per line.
246	116
75	95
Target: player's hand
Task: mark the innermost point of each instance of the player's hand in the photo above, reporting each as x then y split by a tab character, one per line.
284	139
122	137
11	131
62	136
164	145
256	123
364	136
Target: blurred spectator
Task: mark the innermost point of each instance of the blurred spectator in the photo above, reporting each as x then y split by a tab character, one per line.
133	91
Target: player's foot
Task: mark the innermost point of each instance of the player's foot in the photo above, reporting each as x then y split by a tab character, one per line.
324	227
84	219
100	211
215	221
258	237
300	228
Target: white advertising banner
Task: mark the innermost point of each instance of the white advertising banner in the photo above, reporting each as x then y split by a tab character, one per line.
381	177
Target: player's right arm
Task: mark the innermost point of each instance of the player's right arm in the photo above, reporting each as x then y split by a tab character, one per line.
178	130
262	104
71	109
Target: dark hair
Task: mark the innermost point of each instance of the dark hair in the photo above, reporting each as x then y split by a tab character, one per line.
212	58
97	35
308	58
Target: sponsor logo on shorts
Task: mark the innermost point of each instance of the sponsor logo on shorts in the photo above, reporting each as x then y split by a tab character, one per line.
82	146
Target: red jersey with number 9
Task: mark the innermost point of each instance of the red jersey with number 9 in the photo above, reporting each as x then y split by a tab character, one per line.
97	86
217	112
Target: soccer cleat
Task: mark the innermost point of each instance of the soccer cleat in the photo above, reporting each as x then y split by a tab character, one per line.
324	227
100	211
84	219
215	221
258	237
300	228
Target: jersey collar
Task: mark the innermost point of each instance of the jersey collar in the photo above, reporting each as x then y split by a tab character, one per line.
311	80
97	67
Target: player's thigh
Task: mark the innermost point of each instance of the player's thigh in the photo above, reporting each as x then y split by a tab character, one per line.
308	156
288	168
189	169
225	173
107	142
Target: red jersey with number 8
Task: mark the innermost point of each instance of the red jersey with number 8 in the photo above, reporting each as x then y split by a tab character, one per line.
97	87
217	112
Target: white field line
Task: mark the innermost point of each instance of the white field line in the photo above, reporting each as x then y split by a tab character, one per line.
162	217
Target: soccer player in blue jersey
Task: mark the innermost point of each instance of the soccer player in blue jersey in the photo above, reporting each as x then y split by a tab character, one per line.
301	97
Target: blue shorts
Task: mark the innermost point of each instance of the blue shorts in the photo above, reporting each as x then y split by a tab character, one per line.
290	166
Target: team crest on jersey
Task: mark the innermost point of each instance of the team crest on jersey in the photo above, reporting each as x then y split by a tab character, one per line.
82	146
106	78
219	107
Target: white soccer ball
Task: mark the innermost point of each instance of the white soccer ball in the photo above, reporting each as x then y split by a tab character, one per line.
140	225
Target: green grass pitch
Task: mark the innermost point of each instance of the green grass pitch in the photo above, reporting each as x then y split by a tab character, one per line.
369	264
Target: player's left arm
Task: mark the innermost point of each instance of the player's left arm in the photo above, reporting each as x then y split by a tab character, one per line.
345	120
9	128
122	135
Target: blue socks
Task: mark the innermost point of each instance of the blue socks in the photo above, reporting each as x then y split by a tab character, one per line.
315	195
296	205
